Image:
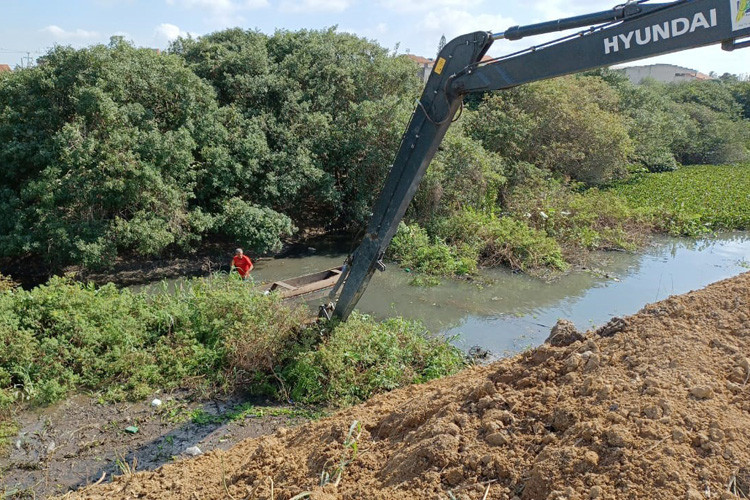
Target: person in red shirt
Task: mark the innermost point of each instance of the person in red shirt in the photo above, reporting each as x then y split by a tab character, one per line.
241	263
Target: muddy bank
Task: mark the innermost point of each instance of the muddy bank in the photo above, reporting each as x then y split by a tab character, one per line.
80	441
211	256
124	271
654	406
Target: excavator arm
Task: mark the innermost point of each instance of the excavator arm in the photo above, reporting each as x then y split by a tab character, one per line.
629	32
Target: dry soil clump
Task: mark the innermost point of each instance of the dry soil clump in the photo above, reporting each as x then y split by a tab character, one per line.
658	407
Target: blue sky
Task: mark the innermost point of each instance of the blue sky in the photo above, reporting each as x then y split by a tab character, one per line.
415	25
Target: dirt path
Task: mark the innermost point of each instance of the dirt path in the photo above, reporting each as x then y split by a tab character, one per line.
656	406
79	441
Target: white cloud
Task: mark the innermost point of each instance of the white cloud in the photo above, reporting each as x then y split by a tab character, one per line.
558	9
296	6
60	34
421	5
220	5
455	22
377	31
169	32
224	12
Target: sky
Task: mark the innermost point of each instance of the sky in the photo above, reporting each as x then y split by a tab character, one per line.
31	27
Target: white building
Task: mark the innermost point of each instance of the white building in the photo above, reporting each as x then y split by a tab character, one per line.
664	73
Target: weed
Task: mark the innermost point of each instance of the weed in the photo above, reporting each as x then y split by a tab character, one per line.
212	334
693	200
248	410
415	249
496	241
362	357
547	222
348	455
126	469
8	429
424	281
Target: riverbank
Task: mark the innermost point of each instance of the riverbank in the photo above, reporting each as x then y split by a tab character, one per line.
218	352
210	257
81	440
650	406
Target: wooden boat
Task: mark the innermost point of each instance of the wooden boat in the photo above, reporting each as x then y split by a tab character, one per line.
301	285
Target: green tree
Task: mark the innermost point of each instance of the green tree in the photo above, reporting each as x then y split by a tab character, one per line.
106	151
658	126
569	125
462	176
717	132
330	105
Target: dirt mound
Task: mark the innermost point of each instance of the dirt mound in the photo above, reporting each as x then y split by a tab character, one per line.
657	408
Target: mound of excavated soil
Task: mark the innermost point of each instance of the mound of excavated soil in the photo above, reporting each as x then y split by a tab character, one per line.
655	406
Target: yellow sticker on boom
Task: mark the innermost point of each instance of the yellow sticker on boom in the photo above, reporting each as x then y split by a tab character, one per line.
439	65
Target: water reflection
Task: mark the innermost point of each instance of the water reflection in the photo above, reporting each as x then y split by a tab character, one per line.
668	267
515	311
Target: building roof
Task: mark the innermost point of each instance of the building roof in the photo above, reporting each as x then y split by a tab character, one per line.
681	69
420	59
4	67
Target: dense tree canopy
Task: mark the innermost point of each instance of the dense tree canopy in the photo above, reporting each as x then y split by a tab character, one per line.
569	125
113	150
101	154
331	106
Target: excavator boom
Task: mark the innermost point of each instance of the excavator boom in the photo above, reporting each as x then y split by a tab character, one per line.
635	30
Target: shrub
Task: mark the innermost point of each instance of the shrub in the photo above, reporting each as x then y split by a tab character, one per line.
362	357
254	227
502	241
413	248
65	335
214	333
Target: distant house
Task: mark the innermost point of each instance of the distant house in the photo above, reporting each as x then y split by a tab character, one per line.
4	68
664	73
425	65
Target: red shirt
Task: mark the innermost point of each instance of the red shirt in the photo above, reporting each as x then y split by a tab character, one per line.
243	264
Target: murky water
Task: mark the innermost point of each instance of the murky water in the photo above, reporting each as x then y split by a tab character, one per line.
516	311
